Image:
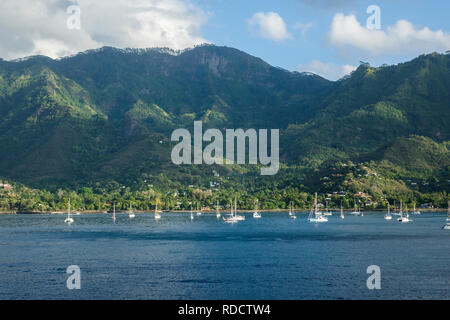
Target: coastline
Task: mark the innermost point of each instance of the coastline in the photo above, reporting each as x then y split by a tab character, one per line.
205	211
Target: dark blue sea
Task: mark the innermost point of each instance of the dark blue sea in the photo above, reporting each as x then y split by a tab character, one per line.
270	258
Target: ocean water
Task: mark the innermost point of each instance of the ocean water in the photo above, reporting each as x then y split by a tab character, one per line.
270	258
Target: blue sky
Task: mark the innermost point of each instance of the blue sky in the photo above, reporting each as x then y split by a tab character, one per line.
327	37
228	25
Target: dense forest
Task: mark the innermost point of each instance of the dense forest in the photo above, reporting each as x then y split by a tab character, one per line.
95	128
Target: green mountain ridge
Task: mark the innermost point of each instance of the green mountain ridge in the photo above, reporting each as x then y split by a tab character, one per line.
107	115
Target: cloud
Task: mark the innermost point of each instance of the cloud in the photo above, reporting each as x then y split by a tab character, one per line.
401	38
329	71
269	25
29	27
303	27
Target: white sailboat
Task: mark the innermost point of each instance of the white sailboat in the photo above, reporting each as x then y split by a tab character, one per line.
447	224
157	215
238	217
217	210
388	215
69	219
131	214
114	212
327	212
199	212
192	214
230	218
256	214
395	213
291	211
356	211
415	211
315	215
233	217
404	217
342	212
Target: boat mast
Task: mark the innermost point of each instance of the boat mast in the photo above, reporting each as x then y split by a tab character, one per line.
315	204
448	209
401	208
231	208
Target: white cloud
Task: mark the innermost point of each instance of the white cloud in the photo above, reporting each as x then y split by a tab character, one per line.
403	37
303	27
329	71
269	25
30	27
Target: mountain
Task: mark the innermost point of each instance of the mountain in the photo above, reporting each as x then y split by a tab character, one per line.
107	115
63	120
373	107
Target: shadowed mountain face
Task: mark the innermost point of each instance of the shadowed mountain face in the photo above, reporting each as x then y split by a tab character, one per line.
109	113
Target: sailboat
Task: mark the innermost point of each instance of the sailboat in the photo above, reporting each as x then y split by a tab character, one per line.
403	217
447	224
388	215
238	217
217	210
291	211
199	212
192	214
315	215
415	211
342	212
233	217
157	215
256	214
114	212
355	211
131	214
327	213
69	219
395	213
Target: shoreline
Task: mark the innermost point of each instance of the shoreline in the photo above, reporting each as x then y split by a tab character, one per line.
205	211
